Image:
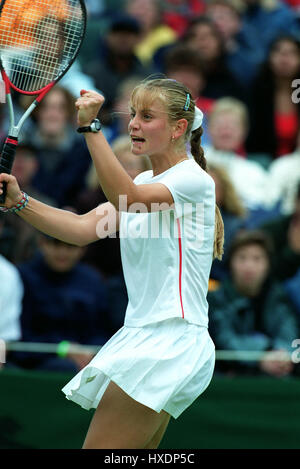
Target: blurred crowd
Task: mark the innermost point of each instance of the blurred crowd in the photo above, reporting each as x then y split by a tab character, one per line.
241	61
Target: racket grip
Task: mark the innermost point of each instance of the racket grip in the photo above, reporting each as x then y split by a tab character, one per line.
6	161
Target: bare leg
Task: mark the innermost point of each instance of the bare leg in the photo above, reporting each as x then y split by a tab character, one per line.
155	441
121	422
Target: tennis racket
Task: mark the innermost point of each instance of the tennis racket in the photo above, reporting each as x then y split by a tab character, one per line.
39	41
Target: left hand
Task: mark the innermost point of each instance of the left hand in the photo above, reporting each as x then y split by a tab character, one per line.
88	107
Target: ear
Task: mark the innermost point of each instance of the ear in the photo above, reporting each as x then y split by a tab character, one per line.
180	128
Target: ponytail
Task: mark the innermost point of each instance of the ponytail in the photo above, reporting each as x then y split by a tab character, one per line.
198	154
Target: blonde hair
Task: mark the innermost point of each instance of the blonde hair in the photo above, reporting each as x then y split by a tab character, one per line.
179	104
232	106
231	203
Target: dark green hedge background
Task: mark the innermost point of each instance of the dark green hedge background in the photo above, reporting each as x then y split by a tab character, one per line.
232	413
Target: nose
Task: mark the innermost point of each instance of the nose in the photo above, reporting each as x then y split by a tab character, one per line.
134	123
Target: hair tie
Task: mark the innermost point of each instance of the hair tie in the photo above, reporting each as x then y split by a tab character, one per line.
198	119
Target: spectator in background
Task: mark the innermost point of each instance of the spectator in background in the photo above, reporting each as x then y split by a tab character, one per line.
233	214
64	299
274	117
243	50
117	60
252	312
25	168
11	294
186	66
178	13
228	127
154	33
285	234
269	19
203	36
62	154
284	179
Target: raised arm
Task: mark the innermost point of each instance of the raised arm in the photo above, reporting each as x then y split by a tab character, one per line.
66	226
114	180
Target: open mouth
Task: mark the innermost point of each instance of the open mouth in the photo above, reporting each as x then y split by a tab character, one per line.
137	139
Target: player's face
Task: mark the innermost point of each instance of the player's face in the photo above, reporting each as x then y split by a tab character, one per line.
149	129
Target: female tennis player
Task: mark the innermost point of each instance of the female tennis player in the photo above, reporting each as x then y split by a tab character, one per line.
163	358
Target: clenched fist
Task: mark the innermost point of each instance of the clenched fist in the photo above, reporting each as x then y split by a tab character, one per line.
13	191
88	106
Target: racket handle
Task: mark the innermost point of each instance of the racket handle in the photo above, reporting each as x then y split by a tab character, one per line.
6	161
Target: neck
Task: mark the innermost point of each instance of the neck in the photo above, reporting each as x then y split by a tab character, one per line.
161	164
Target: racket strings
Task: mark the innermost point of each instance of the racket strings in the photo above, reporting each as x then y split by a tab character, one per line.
38	40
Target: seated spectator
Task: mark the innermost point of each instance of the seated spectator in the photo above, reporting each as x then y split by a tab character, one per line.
285	234
203	36
11	294
243	50
251	312
269	19
62	154
274	117
64	300
178	13
284	179
154	33
228	127
116	61
233	214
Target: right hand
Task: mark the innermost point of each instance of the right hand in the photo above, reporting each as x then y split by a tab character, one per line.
13	191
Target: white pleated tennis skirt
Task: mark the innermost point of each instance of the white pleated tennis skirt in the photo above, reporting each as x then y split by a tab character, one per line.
165	366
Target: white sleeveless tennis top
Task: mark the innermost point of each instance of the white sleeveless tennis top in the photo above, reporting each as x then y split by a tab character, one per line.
167	254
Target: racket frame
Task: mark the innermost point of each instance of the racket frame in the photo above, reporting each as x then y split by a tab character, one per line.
11	142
